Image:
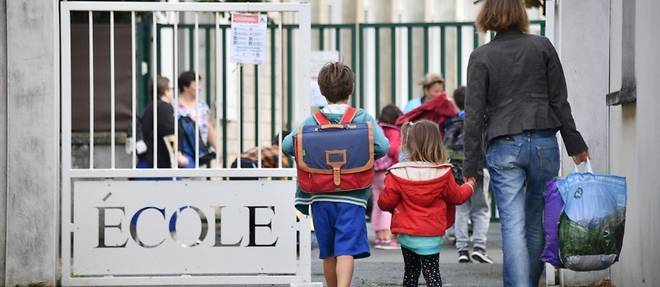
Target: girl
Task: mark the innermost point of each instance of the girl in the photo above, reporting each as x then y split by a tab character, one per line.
380	220
421	195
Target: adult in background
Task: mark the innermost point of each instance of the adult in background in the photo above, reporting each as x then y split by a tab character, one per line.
199	111
517	96
432	85
165	117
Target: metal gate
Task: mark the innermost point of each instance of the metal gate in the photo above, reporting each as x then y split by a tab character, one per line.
123	225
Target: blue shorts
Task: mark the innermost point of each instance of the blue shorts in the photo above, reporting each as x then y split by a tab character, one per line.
340	229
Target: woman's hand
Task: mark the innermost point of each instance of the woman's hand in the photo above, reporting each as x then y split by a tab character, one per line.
581	157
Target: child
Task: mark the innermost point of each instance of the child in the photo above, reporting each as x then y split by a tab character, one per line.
421	194
380	220
476	208
339	218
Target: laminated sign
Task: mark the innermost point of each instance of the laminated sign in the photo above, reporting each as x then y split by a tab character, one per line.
248	38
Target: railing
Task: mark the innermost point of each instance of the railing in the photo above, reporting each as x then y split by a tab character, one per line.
414	50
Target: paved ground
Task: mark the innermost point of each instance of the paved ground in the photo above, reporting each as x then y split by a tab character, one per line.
385	267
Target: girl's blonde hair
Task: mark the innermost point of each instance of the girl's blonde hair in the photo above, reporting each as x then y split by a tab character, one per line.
423	142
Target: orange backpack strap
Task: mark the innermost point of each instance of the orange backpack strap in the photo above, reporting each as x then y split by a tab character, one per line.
321	119
348	116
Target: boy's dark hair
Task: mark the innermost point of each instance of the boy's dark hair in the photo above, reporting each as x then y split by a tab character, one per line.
389	114
276	139
185	79
459	97
336	82
162	84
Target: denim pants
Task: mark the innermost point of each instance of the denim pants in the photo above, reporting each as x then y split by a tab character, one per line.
477	210
519	167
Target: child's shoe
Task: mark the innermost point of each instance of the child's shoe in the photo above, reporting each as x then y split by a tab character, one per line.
391	244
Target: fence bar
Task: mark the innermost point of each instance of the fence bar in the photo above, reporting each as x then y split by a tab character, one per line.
207	61
176	89
442	51
377	72
426	50
191	49
354	59
218	80
289	78
280	99
475	37
256	114
199	119
240	113
133	91
154	94
112	89
393	63
91	91
410	63
542	28
321	40
361	68
273	81
338	39
225	152
459	56
158	49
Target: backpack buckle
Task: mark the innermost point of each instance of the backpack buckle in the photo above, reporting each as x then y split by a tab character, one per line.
336	159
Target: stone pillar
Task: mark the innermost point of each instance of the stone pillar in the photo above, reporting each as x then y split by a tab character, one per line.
32	141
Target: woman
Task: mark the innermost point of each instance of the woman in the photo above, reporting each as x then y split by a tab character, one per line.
516	95
432	85
165	117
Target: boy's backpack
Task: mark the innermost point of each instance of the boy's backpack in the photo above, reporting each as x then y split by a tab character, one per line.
335	157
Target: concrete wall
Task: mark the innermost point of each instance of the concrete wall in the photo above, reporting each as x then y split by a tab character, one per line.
3	134
587	80
623	139
636	138
32	138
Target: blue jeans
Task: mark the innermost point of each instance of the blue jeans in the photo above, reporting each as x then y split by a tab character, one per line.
519	167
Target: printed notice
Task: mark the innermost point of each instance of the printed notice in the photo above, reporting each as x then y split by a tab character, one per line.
248	38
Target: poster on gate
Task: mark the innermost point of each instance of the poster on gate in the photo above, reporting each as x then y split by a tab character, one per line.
248	38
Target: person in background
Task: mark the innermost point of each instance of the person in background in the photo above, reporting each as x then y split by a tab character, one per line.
517	96
165	118
270	157
199	112
432	85
475	209
381	220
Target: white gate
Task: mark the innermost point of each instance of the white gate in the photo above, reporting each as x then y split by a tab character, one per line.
192	226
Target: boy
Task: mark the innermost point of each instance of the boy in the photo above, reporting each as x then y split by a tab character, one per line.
339	218
476	208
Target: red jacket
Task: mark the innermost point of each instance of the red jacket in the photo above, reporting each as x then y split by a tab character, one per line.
437	110
393	134
421	197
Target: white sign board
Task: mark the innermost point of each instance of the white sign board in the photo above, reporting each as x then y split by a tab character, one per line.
318	60
248	38
183	227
